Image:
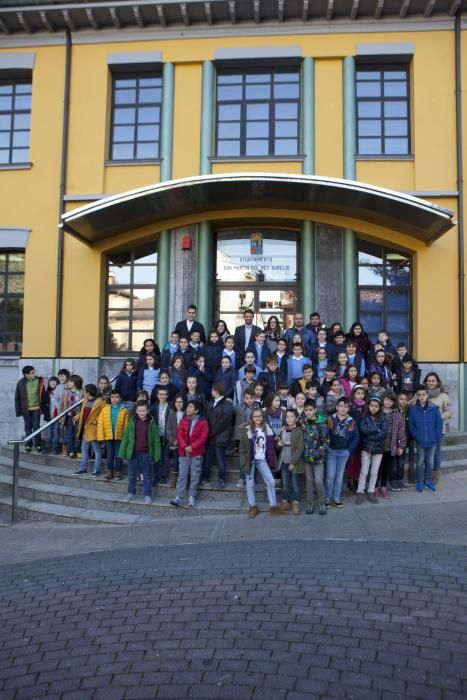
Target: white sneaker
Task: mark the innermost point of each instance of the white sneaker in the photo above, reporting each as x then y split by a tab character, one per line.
191	502
240	484
129	497
147	500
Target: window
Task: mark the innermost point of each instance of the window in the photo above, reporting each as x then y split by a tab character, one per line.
131	296
136	117
383	110
15	121
258	113
384	287
11	301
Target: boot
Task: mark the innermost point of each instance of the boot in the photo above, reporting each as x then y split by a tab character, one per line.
173	479
284	506
253	511
295	507
108	475
65	450
435	478
310	509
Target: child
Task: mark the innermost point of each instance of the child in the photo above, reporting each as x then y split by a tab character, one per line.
326	381
186	352
241	385
104	388
312	392
249	362
111	425
258	453
127	383
315	442
321	363
349	380
333	395
173	421
169	350
29	403
242	420
290	462
300	407
439	395
343	441
219	415
287	400
355	358
300	384
202	374
148	373
63	376
426	428
164	380
375	390
274	414
212	352
149	346
398	461
70	396
52	410
141	446
295	363
178	373
342	363
381	365
396	441
383	339
192	392
259	393
406	377
87	429
373	430
271	378
281	356
226	376
229	351
192	436
358	408
160	414
260	349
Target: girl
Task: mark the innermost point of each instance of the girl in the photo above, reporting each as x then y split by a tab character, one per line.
290	462
360	338
178	373
374	388
220	327
104	388
192	392
321	363
148	373
127	383
333	395
273	333
52	410
343	440
274	414
258	453
382	366
342	363
349	380
396	442
173	421
150	346
300	399
373	431
71	396
365	384
164	380
438	394
358	407
259	392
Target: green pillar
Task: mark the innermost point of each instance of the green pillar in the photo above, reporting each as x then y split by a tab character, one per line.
307	272
163	258
207	117
349	287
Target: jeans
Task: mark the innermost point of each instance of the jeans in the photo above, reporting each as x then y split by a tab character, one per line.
188	467
425	461
314	476
96	446
335	467
215	453
71	430
437	460
290	484
263	468
161	468
139	463
32	421
114	463
370	463
53	435
397	467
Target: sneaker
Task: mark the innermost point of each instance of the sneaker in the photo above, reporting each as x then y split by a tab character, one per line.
402	485
394	486
118	476
147	500
221	485
38	448
419	486
430	486
384	492
206	483
191	502
295	508
359	499
129	497
71	455
310	509
28	448
177	502
327	503
337	504
78	455
240	484
322	508
80	471
95	473
372	498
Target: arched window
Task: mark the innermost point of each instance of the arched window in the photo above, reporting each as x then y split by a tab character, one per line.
384	291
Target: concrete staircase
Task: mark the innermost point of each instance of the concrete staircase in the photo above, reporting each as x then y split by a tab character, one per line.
48	490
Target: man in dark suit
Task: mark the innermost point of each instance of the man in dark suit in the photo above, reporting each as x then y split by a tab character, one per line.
245	335
186	327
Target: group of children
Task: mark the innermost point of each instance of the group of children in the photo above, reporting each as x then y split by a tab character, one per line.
310	403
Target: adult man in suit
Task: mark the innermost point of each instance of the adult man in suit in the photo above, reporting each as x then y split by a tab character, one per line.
187	326
245	335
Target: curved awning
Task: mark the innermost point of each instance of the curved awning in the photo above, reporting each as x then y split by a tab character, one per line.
196	196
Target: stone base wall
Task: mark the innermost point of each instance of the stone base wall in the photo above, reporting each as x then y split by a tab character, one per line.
449	375
328	275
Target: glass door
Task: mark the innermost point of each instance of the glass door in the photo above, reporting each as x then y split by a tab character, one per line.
266	302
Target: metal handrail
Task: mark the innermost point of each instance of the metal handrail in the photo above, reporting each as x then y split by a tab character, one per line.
28	438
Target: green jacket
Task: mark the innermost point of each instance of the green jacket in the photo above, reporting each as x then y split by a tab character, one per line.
128	442
296	450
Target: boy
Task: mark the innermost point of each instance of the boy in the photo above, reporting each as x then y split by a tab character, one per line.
242	420
426	428
29	402
87	429
229	351
406	377
300	384
192	436
159	411
63	376
271	378
260	349
343	441
249	362
327	380
287	400
185	352
141	446
315	441
355	358
195	341
111	425
169	350
295	363
70	396
383	339
242	384
281	355
219	415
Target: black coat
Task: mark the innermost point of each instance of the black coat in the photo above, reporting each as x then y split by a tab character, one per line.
220	419
239	337
182	329
21	397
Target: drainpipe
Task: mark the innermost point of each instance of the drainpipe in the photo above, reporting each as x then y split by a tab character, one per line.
163	258
307	271
61	208
460	217
349	262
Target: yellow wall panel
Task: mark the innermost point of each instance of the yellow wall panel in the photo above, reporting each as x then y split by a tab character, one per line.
122	178
328	118
187	120
395	174
294	168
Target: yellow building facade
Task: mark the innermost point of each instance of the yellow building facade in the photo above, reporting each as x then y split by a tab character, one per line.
158	154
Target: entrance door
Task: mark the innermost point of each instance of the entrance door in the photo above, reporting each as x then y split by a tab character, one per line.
266	301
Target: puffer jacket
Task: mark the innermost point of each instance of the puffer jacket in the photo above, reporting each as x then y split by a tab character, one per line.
343	434
104	424
373	431
88	430
197	440
425	424
127	445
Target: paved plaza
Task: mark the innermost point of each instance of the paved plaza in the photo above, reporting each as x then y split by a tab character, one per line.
291	608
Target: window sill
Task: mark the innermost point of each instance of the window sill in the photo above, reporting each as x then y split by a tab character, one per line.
385	158
16	166
256	159
119	163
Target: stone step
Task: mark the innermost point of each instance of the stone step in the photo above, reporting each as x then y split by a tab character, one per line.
455	438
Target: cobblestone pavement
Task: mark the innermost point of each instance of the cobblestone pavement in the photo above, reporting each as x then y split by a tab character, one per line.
277	620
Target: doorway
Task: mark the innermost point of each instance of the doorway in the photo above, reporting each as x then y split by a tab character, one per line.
266	302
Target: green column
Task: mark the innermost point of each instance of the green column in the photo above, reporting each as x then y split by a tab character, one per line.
307	272
163	258
349	287
204	289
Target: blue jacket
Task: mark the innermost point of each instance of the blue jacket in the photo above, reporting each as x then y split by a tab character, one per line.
126	384
228	379
343	435
425	424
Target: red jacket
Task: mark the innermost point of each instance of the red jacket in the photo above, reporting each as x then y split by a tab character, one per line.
197	440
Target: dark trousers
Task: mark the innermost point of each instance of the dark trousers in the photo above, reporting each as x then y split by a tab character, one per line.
397	467
114	463
32	421
161	468
74	445
215	453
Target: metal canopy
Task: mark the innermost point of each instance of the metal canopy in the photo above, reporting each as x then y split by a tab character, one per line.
197	196
34	16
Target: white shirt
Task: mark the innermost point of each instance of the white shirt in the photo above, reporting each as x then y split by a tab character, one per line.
248	331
